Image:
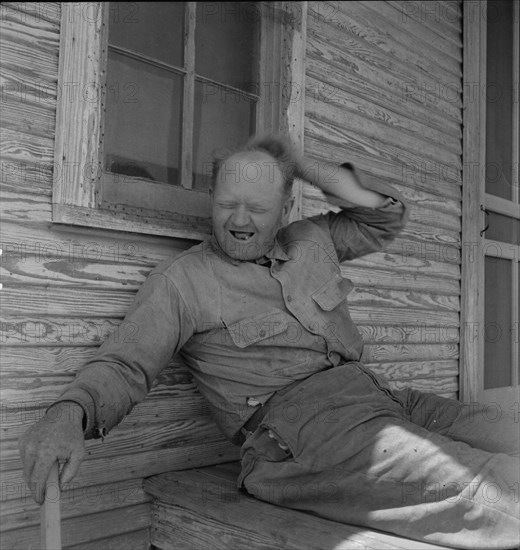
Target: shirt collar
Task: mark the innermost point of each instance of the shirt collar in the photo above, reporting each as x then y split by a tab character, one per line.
276	253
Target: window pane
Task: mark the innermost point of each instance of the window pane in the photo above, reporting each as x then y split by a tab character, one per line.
142	124
154	29
223	120
497	323
499	98
502	228
226	37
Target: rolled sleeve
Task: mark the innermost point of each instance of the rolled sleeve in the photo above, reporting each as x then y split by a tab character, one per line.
123	370
359	230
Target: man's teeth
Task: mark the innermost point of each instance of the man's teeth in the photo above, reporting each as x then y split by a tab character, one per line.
242	235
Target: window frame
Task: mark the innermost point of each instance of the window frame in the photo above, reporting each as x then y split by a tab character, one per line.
78	184
475	246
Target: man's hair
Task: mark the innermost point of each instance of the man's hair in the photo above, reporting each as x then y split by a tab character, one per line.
276	147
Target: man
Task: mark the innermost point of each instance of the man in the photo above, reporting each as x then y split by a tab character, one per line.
259	314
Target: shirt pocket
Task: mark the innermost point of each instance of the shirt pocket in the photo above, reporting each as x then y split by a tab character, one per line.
332	293
256	329
336	324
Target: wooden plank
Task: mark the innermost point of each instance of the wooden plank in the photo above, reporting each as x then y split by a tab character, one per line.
394	38
99	471
391	278
417	198
27	219
445	18
348	49
405	264
31	177
35	12
133	220
432	333
445	387
25	395
193	531
363	79
382	298
183	402
75	502
134	540
188	96
422	219
443	181
174	405
472	275
59	331
386	130
372	146
20	306
410	372
293	105
21	392
77	122
419	241
82	273
444	41
111	275
30	48
371	305
25	89
346	107
49	301
65	360
217	500
20	147
79	530
21	208
127	438
91	331
18	114
409	352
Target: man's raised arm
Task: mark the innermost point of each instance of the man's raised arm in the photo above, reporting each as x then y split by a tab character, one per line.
371	216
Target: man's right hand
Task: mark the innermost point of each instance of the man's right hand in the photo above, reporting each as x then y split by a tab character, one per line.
58	435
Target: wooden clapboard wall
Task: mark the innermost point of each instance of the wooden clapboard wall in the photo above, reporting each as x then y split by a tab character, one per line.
383	84
63	290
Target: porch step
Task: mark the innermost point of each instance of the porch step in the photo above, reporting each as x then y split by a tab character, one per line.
202	509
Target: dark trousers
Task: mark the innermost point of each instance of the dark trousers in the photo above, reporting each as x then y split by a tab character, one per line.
345	447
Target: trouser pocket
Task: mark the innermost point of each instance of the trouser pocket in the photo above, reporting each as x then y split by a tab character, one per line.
262	445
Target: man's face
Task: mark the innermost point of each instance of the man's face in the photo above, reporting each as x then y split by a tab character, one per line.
248	205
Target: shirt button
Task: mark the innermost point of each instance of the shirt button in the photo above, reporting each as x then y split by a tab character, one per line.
289	298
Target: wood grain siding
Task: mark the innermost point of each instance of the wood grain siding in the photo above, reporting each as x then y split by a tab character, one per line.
64	289
383	90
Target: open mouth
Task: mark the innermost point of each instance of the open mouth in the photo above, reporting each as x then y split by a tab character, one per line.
242	235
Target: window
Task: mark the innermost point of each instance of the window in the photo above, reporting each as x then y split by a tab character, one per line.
490	348
164	84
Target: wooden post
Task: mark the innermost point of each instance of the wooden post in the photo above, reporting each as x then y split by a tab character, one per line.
50	512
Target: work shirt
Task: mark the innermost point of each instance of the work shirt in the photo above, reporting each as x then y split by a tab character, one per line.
246	329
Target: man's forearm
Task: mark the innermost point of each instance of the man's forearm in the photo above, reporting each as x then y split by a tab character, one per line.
338	181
